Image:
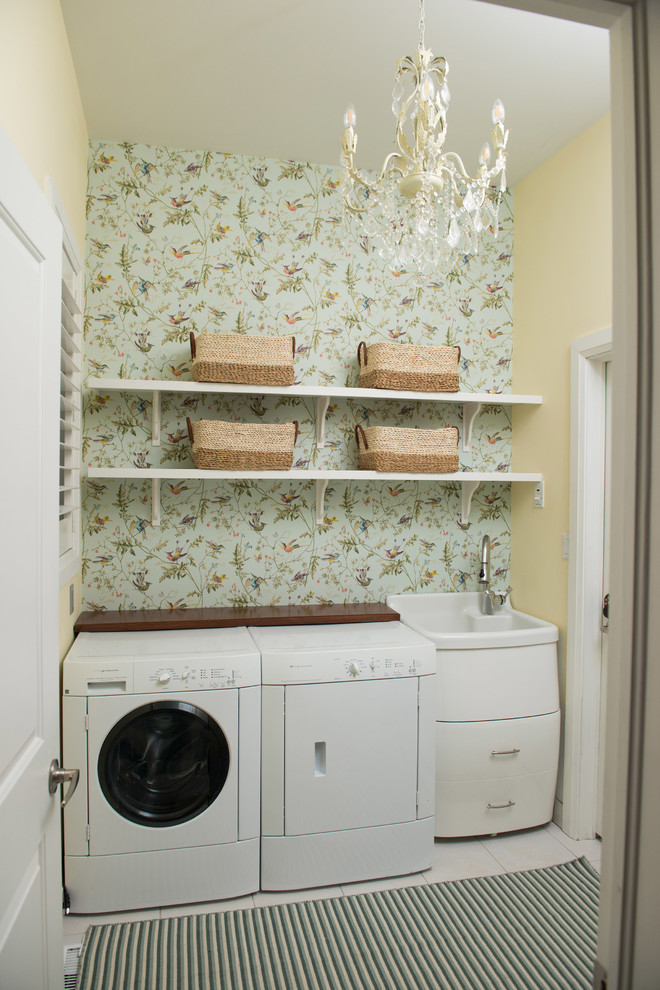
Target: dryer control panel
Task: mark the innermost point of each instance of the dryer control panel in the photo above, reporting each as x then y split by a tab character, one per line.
343	652
322	667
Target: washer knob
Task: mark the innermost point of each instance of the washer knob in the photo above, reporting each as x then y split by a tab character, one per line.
165	677
353	668
185	673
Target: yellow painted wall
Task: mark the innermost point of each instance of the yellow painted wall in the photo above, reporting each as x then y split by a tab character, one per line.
41	111
40	106
562	290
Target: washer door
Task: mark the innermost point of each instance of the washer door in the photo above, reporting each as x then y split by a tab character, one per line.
163	763
163	771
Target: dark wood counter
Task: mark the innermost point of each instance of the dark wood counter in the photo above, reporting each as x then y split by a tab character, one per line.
252	615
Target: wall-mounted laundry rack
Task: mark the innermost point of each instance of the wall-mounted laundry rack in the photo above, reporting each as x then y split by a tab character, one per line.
470	401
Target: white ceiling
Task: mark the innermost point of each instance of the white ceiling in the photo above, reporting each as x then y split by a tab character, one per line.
273	77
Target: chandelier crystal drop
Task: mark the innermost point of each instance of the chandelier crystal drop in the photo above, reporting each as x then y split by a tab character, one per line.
423	209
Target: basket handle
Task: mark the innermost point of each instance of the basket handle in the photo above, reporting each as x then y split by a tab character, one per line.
190	429
293	346
359	431
362	347
193	347
459	353
295	423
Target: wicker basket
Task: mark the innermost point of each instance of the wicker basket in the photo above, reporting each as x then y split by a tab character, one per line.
219	446
393	448
242	359
408	366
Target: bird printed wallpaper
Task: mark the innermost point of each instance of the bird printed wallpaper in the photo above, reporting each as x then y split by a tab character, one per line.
181	241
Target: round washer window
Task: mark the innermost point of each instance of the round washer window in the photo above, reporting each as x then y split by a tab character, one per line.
163	763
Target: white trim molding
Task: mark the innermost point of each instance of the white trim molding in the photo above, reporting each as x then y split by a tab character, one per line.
583	636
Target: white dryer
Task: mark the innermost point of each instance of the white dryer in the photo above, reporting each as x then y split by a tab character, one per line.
347	753
165	728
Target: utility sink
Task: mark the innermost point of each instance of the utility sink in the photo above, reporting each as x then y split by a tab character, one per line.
455	621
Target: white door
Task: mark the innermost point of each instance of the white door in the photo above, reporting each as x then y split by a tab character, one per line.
31	952
605	591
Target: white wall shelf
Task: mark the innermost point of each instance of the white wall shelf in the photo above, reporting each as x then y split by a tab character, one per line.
471	401
468	480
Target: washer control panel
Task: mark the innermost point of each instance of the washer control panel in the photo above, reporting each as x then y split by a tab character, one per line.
193	676
195	673
161	675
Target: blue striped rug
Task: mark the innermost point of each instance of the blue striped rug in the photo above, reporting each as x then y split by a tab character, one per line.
534	930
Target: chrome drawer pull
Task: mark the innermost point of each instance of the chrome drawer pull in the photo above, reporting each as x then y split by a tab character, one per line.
493	807
504	752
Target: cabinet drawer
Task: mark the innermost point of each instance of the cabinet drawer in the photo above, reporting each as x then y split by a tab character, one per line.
493	750
486	807
507	682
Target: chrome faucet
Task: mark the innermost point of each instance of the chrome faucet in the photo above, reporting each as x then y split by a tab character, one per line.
489	600
484	577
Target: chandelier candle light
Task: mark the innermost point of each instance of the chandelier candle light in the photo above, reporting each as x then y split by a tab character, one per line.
424	208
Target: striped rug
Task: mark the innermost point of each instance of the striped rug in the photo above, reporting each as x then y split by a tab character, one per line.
534	930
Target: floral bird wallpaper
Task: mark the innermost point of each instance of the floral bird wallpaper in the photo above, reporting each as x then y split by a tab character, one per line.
181	241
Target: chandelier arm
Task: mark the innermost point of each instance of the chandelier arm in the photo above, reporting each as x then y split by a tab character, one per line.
401	139
388	167
458	161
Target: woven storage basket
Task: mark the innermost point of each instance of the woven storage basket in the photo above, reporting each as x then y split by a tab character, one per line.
393	448
219	446
242	359
408	366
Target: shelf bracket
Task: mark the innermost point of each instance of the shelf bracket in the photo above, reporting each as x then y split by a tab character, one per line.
470	412
155	419
155	501
321	485
322	404
468	488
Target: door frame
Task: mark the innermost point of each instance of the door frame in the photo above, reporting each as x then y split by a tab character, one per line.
585	567
628	951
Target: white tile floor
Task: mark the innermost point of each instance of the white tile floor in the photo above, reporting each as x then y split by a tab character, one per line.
454	859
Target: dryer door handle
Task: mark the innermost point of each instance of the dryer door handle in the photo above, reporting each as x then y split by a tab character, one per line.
57	776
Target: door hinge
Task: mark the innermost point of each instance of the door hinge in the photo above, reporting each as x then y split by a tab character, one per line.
88	832
86	723
605	619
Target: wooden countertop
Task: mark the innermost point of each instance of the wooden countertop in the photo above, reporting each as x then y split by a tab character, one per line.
252	615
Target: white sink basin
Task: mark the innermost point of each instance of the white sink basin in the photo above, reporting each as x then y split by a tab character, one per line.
454	621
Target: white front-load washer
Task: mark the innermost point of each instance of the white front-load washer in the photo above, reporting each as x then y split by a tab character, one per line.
165	729
348	756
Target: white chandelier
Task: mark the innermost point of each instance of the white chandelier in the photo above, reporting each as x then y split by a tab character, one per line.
423	208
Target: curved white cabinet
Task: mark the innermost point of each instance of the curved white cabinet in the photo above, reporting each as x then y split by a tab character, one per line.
470	401
497	739
497	713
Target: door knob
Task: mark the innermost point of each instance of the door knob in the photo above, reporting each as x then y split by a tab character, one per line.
57	775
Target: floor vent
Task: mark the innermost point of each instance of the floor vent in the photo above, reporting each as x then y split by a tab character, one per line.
71	960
